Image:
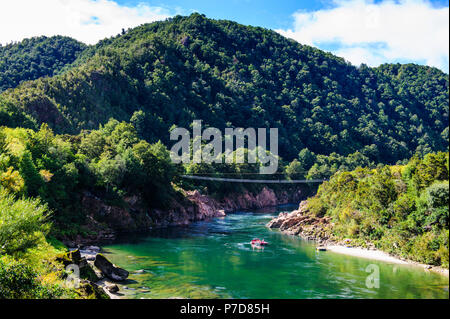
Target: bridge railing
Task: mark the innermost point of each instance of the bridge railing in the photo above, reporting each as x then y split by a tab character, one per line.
260	181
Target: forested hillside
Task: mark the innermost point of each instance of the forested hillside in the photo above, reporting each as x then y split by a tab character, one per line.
169	73
92	123
37	57
401	209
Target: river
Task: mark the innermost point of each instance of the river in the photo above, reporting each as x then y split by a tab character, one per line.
213	259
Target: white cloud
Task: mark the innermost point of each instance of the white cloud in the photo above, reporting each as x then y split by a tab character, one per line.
84	20
362	31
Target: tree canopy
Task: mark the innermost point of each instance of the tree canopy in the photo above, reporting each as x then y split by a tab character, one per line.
227	74
37	57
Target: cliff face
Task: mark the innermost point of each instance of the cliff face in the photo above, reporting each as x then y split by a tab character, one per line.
266	198
302	223
105	221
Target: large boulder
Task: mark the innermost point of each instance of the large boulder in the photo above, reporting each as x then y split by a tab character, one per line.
75	257
70	257
109	269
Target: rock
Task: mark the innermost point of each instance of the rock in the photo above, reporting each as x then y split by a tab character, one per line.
104	221
87	272
71	257
221	213
74	257
109	269
112	288
90	290
90	257
303	223
70	244
278	221
91	248
144	289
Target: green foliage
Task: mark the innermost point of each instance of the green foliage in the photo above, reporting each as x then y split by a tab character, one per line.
390	207
332	118
11	116
30	174
22	223
307	158
18	280
438	195
226	74
111	162
37	57
295	170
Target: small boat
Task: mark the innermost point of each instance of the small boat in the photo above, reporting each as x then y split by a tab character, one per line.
321	248
259	242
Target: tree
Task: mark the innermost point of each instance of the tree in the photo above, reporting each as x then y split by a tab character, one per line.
12	181
295	170
31	176
23	223
306	158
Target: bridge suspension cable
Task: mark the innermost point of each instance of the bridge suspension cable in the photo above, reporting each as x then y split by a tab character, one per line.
260	181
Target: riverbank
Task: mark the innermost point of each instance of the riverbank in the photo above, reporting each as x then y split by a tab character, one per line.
318	229
379	255
105	222
214	259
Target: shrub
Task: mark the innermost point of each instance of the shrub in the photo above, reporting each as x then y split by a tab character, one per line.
18	280
438	194
22	223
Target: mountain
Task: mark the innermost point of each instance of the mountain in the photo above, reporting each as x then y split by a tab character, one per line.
80	159
185	68
37	57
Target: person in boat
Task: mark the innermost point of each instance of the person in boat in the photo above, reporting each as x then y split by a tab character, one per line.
257	241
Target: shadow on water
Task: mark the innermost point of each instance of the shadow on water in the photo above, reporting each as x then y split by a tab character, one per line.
214	259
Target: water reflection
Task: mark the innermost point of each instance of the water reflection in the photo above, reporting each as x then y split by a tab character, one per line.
214	259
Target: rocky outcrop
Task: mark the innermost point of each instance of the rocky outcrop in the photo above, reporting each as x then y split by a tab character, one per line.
131	216
265	198
109	269
104	221
90	290
302	223
88	275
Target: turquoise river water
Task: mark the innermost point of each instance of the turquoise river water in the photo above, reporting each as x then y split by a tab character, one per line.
214	259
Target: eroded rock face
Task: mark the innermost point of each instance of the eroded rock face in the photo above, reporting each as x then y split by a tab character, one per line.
117	218
205	206
109	269
105	221
302	223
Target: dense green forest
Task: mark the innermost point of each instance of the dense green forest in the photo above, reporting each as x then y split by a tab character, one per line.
401	209
98	118
42	178
228	74
37	57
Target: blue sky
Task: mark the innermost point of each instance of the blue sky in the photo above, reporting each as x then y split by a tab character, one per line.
265	13
361	31
271	14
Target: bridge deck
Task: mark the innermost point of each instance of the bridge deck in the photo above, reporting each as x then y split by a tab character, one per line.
260	181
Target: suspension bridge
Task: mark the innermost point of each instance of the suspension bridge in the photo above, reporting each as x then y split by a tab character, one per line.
258	181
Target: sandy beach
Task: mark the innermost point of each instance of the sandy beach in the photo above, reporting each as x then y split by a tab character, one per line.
382	256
